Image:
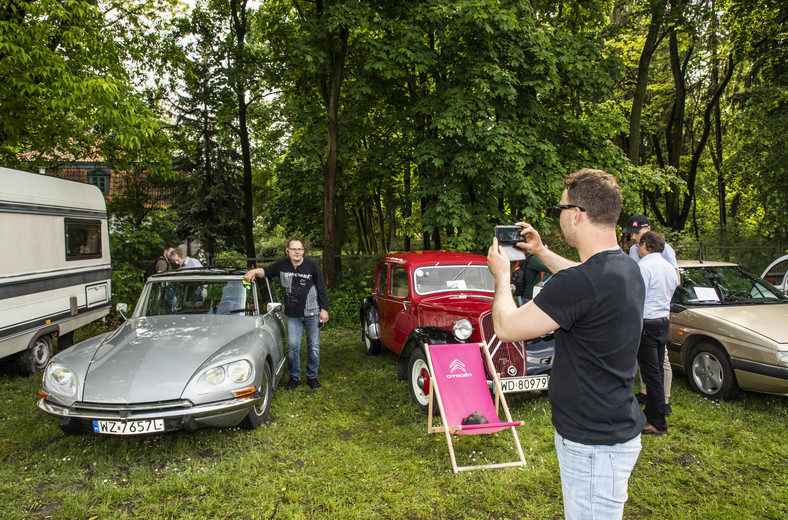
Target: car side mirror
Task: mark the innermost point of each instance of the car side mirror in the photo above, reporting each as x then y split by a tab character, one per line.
122	309
273	307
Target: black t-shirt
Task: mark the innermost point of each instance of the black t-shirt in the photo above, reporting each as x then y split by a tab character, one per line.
599	306
303	285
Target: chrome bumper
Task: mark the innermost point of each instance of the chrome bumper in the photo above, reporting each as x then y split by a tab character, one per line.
105	413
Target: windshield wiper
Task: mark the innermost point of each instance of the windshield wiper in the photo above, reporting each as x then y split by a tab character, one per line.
463	270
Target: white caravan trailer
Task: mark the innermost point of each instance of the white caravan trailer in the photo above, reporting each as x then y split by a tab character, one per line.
55	270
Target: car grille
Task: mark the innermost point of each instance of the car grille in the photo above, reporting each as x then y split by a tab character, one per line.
131	409
509	359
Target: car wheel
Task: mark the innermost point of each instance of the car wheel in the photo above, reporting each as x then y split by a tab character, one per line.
372	346
419	380
35	358
711	374
259	413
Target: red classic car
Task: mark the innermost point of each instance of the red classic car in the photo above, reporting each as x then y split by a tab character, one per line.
444	297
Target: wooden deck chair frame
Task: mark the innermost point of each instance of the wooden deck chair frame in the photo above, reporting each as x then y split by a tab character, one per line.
448	429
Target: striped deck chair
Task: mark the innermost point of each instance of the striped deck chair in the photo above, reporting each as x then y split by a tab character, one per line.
462	395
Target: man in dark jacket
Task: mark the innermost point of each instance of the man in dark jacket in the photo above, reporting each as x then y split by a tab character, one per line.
306	308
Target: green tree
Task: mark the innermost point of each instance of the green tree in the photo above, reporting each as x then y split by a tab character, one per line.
66	78
212	189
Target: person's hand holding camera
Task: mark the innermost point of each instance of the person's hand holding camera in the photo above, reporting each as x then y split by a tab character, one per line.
533	242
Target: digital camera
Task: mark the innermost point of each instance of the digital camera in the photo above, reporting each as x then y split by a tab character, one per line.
509	234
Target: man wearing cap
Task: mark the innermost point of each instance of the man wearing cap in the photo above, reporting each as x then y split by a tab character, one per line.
637	226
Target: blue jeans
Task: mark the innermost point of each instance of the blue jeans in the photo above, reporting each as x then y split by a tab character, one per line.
594	479
295	328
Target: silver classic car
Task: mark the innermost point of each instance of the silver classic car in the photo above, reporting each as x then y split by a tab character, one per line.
203	348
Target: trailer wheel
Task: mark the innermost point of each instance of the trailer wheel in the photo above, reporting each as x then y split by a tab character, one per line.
35	358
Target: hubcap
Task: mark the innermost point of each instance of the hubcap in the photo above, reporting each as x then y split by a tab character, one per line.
423	381
707	372
41	353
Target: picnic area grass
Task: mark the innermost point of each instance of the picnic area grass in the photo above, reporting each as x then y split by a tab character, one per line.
358	448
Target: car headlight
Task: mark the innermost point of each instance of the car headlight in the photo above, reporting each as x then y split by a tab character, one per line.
224	377
782	356
215	376
462	329
239	371
60	380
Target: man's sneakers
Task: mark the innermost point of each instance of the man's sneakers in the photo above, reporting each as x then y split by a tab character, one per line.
313	383
293	384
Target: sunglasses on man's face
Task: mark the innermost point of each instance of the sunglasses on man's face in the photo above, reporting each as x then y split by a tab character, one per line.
557	209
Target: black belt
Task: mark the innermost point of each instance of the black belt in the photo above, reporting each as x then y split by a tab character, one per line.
655	321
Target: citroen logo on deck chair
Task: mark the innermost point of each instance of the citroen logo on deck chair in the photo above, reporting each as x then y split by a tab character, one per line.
457	366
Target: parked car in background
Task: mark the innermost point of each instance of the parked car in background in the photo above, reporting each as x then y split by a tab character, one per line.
777	273
444	297
203	348
728	331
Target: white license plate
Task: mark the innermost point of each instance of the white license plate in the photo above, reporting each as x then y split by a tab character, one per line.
128	427
525	384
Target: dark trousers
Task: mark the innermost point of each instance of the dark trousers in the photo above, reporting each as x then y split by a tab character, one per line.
651	355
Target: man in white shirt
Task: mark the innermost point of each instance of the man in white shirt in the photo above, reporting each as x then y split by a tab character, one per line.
637	225
660	280
179	256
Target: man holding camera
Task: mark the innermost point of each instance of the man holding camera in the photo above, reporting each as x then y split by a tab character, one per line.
595	308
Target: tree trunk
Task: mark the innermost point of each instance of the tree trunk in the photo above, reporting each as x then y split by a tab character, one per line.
238	8
641	87
331	242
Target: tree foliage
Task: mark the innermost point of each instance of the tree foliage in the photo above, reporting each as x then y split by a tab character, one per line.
372	126
68	76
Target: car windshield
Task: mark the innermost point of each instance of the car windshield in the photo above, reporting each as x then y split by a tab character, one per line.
198	297
442	278
725	285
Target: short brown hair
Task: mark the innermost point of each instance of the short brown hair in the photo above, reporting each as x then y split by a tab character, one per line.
179	252
655	242
293	239
598	193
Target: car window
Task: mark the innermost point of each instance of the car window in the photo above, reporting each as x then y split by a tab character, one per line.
382	281
399	282
263	294
199	297
442	278
723	285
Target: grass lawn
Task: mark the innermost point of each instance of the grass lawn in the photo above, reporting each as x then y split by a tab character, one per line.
358	448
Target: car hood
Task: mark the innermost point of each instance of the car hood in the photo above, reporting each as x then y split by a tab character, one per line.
766	320
442	310
152	359
462	302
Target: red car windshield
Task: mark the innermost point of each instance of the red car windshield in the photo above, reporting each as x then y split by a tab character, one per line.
443	278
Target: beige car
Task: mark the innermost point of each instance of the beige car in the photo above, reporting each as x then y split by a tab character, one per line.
729	331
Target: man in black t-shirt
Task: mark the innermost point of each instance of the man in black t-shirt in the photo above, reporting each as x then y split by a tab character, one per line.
306	308
595	308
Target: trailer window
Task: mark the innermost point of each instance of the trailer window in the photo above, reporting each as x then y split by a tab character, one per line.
83	239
